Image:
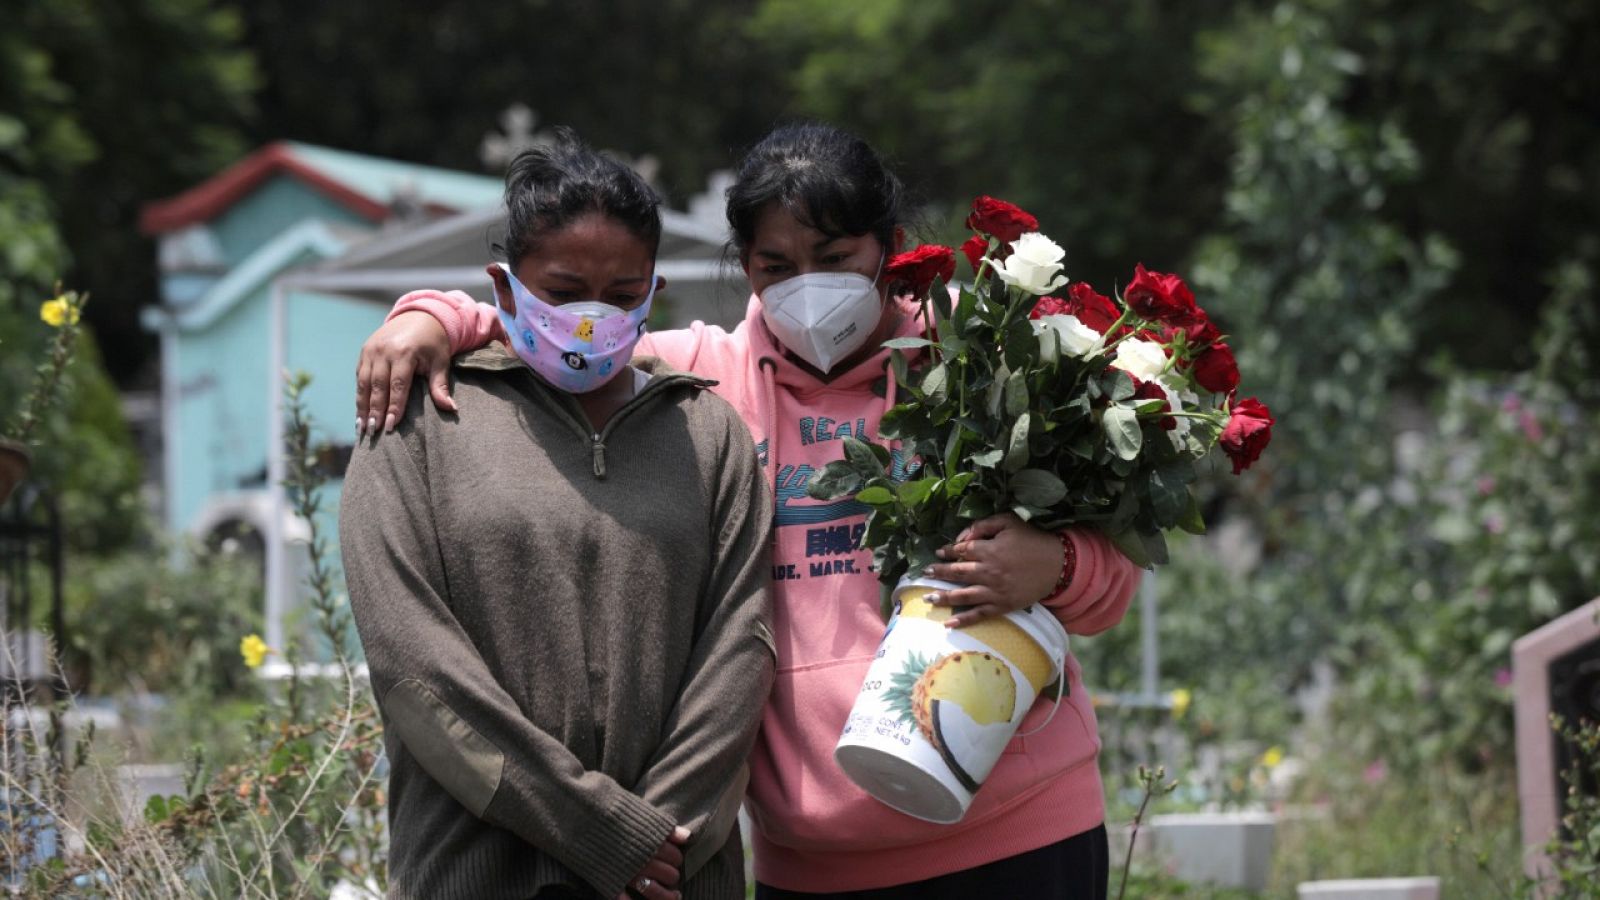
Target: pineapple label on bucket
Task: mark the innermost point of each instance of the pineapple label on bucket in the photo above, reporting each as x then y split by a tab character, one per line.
939	705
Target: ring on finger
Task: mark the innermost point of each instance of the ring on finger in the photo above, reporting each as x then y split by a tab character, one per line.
643	884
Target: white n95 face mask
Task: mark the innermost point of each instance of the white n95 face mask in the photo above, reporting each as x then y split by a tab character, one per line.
822	317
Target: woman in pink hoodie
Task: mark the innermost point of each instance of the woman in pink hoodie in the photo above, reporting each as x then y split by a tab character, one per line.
814	215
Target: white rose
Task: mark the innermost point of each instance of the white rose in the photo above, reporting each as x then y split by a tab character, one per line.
1140	358
1034	264
1075	338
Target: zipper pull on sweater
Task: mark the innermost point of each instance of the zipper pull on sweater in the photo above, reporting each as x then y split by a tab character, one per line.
599	450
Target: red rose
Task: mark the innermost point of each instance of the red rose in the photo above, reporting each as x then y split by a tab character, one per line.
1196	334
1050	306
1158	297
1248	430
918	268
1000	219
1216	370
1092	309
974	249
1149	390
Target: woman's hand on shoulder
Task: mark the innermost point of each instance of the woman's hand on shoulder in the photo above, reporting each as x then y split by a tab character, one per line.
409	345
1005	563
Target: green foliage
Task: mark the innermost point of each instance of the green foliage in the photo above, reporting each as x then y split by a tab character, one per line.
163	621
1352	821
151	97
302	811
40	137
1492	524
1574	854
88	459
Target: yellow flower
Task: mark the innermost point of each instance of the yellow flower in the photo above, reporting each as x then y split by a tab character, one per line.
58	312
254	650
1180	702
1272	757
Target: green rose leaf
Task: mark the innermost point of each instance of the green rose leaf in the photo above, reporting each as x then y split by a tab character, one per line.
913	493
1191	520
1016	393
861	457
837	479
1017	447
876	495
1021	347
965	308
955	484
988	459
1155	546
907	343
1119	385
897	362
1132	546
975	506
936	384
1121	426
1168	496
994	394
952	449
1037	487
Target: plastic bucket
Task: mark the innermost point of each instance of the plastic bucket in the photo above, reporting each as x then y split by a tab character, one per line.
939	705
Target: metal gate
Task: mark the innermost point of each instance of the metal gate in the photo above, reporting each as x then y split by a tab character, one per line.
32	740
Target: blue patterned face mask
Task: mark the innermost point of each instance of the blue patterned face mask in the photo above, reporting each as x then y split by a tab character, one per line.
577	347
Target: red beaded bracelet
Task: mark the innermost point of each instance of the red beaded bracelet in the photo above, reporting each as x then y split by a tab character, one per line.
1069	564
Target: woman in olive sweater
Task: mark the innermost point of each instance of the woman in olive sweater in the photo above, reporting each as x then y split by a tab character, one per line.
561	585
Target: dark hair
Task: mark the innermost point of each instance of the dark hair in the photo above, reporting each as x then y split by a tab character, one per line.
824	176
549	186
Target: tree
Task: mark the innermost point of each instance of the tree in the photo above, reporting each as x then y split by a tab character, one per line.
1502	102
156	92
669	78
1082	112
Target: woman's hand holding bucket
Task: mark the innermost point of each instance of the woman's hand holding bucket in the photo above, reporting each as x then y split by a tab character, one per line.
1006	565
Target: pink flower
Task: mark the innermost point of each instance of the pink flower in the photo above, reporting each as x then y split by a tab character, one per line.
1376	772
1494	524
1531	429
1486	485
1502	678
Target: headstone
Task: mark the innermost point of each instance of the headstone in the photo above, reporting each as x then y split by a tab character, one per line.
1228	849
138	783
1370	889
1554	669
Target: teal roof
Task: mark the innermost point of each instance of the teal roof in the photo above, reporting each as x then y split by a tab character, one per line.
383	179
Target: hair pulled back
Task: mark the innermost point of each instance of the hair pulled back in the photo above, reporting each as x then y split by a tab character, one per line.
826	177
547	187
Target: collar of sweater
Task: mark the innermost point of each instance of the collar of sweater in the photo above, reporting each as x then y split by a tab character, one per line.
496	357
664	379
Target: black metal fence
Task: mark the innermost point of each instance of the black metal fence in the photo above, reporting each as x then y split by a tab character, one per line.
32	683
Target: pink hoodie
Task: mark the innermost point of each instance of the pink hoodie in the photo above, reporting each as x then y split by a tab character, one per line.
816	831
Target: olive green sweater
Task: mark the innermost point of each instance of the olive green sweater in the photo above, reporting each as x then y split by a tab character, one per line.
568	633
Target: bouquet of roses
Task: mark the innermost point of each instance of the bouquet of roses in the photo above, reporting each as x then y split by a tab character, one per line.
1046	399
